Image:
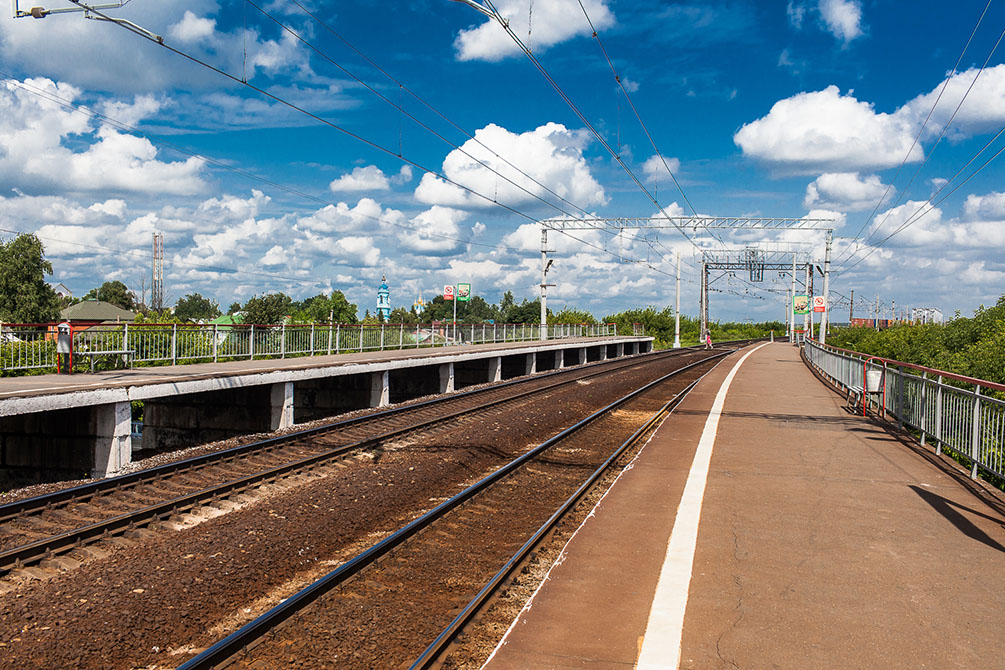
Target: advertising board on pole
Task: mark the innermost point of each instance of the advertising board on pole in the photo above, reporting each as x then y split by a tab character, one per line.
801	304
464	292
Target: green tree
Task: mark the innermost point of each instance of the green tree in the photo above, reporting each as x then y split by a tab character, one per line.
323	308
570	315
506	304
402	315
270	309
194	307
234	308
477	310
525	312
24	295
114	292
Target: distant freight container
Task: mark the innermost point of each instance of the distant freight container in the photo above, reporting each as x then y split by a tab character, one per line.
874	323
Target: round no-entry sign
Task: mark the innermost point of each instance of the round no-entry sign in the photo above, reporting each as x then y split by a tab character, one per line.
819	304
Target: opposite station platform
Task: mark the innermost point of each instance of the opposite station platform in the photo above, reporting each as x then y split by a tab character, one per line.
69	426
766	526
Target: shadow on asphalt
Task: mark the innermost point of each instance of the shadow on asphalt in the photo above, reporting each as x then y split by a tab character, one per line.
948	509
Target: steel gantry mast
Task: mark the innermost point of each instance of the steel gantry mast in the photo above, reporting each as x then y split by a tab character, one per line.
754	259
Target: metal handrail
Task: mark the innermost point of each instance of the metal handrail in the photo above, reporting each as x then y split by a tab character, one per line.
966	421
28	346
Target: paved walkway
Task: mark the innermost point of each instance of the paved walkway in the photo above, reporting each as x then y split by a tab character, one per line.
824	542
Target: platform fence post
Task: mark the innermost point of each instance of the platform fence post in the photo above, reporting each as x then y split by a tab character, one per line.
975	438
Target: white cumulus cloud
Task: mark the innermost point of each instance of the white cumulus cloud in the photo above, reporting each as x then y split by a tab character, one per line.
35	134
548	23
550	155
990	205
826	131
843	18
845	191
369	178
435	231
654	167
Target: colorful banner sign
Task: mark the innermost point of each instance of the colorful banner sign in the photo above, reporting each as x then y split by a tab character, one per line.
801	304
464	292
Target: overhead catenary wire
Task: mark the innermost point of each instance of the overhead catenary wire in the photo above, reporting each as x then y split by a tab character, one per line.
296	35
600	138
931	111
121	125
375	145
631	103
942	134
430	107
919	214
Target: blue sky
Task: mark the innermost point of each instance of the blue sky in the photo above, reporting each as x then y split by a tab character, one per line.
806	108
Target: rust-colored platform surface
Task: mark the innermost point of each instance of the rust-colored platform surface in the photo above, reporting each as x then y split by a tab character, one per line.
824	542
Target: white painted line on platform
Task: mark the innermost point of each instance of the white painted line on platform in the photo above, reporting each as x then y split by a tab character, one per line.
665	628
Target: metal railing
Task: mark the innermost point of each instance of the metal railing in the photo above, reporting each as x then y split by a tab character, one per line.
963	415
26	347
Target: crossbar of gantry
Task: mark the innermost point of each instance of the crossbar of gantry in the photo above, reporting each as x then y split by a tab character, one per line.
657	222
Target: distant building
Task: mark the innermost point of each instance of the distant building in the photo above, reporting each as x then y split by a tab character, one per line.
926	315
61	290
96	311
383	300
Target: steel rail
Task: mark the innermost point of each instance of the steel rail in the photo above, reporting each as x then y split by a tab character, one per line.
435	651
33	552
84	491
254	630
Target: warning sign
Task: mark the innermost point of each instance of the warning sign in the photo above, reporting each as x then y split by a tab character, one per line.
448	292
819	304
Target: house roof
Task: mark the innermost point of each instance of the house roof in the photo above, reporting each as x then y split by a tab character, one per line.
227	320
96	310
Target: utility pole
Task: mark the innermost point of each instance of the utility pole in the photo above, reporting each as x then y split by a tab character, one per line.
851	308
704	300
875	312
545	266
806	317
792	302
825	316
788	312
893	311
809	296
676	311
157	290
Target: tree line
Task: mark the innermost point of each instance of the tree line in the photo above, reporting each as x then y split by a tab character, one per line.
973	346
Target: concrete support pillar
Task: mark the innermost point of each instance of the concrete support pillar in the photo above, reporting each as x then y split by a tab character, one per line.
281	396
495	369
619	348
531	363
113	447
582	355
603	352
447	378
380	389
559	359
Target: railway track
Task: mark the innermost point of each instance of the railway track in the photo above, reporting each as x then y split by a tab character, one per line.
37	529
427	581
